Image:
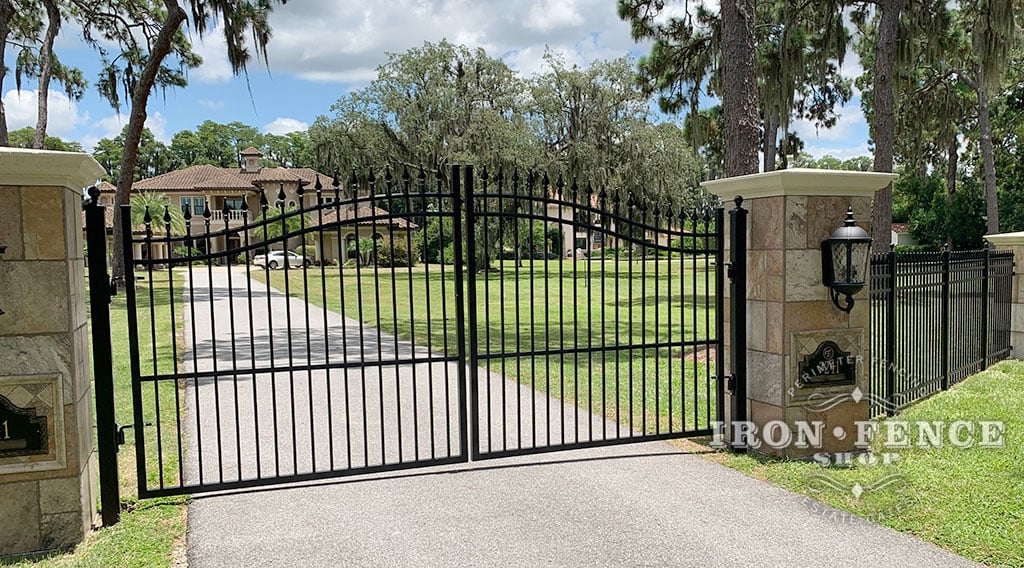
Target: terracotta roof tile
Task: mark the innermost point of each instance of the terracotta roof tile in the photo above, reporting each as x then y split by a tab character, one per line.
251	151
365	216
274	175
227	181
309	176
109	221
180	180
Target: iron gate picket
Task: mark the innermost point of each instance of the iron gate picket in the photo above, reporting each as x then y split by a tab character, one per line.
413	366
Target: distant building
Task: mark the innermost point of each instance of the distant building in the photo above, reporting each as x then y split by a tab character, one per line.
198	187
901	235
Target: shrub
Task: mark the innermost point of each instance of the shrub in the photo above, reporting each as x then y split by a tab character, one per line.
695	243
186	252
439	230
404	254
449	254
607	252
308	251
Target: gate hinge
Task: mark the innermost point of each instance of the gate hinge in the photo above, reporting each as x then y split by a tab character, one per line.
730	383
121	429
730	271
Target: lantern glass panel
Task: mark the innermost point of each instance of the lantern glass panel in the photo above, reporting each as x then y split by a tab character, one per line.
861	254
839	263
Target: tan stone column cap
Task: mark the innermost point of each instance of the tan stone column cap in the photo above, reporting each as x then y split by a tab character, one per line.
800	181
1006	239
74	170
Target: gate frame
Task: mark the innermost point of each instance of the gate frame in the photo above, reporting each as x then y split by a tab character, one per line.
464	215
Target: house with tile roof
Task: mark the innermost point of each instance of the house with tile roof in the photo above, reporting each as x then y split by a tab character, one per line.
901	235
225	190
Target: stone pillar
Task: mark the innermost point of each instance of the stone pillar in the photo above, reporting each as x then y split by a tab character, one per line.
789	313
47	463
1014	242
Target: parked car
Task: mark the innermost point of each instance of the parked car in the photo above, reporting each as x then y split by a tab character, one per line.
276	259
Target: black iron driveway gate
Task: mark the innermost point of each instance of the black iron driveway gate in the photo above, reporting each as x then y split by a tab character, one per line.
551	348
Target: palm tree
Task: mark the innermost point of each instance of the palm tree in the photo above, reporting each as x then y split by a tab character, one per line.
271	226
161	210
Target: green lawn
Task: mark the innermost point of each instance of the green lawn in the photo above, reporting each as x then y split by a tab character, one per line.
969	501
557	304
151	532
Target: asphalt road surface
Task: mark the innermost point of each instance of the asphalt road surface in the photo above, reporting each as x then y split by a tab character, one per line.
636	505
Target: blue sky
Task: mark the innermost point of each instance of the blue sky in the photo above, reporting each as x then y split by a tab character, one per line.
322	49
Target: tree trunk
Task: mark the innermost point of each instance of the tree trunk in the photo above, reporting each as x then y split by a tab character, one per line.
952	159
739	88
136	122
884	127
46	70
6	13
771	134
987	156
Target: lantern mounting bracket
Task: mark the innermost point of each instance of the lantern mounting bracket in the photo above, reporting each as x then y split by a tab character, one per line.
835	301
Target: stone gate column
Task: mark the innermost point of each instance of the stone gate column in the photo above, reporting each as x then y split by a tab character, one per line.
789	313
47	462
1014	243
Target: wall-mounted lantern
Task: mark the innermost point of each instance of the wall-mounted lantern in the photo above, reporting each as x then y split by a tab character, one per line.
844	261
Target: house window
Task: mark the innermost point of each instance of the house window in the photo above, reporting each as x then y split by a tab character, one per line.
234	203
196	204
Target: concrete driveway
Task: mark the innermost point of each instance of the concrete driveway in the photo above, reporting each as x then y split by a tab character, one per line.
638	505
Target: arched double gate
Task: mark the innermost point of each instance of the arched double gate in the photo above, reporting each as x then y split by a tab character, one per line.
427	318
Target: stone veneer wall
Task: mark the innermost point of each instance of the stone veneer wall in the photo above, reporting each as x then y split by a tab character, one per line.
789	311
46	501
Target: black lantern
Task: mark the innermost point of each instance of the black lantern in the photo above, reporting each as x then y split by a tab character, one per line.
844	261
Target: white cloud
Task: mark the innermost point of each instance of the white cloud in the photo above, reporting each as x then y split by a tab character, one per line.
213	49
213	105
841	152
851	124
547	15
282	125
326	40
111	126
62	113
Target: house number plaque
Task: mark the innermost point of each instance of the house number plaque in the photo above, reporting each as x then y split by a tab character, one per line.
827	366
22	433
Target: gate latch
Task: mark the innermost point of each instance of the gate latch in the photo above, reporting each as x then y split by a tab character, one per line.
730	271
121	429
730	383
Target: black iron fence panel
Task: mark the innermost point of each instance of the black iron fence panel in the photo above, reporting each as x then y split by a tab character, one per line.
936	318
340	358
412	319
575	345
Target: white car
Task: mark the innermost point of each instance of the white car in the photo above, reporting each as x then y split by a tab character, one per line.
276	259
